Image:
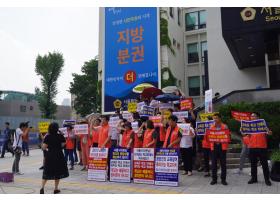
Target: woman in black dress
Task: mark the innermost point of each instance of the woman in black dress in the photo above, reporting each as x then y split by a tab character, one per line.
55	167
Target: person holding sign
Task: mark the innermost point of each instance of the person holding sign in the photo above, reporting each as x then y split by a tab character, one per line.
85	141
258	150
173	134
138	135
69	147
186	144
94	130
128	136
218	150
150	135
104	140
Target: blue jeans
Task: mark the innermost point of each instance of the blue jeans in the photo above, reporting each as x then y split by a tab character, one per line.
25	147
69	153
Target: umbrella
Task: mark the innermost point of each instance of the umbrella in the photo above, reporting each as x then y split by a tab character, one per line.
170	89
139	88
167	97
150	92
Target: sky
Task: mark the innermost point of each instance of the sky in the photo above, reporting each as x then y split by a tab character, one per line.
26	33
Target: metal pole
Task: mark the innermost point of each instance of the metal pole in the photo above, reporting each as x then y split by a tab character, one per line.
267	71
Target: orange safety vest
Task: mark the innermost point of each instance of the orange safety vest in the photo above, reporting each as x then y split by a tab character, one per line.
174	136
95	136
103	135
205	143
162	134
126	137
138	142
246	140
224	145
69	142
148	138
257	141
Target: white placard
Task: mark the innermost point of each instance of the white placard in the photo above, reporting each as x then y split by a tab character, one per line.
81	129
185	128
208	101
181	115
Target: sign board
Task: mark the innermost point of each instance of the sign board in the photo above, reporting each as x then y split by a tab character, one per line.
185	128
144	165
205	116
131	53
97	164
186	104
201	127
135	126
69	122
253	127
120	159
63	131
132	107
181	115
156	120
147	111
81	129
218	136
166	106
166	167
43	127
128	116
208	101
241	115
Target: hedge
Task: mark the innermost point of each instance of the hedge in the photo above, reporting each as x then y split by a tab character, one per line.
270	111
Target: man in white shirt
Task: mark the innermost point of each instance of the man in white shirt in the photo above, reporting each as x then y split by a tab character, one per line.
17	145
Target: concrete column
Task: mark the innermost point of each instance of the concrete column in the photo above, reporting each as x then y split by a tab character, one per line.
267	71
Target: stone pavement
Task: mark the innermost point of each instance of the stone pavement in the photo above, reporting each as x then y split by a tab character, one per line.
77	183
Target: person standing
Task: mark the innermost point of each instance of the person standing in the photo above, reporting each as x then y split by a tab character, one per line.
218	151
173	134
17	145
244	152
55	167
85	145
186	151
25	146
206	149
128	136
258	151
69	147
150	135
95	129
7	140
104	139
41	139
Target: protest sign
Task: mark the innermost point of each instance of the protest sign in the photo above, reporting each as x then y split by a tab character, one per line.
120	165
71	122
201	127
185	128
63	131
241	115
147	111
113	124
43	127
128	116
166	114
205	116
218	136
186	104
208	101
166	106
154	103
139	106
81	129
135	126
181	115
144	165
132	107
97	164
156	120
253	127
166	167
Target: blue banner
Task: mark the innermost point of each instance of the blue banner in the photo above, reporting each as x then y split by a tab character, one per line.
166	167
120	165
202	126
147	111
253	127
131	54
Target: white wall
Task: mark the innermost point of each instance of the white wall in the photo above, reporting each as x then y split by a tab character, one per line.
224	75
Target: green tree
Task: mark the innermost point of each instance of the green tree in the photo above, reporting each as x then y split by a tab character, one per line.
49	68
85	87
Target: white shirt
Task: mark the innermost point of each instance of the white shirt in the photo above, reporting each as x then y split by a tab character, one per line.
187	140
18	138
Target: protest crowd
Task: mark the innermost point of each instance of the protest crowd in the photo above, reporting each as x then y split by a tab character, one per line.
148	143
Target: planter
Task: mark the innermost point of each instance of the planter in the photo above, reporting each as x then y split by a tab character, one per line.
275	171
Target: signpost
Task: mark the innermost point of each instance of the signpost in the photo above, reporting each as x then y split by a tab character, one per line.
97	164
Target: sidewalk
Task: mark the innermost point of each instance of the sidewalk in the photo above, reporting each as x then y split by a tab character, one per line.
77	183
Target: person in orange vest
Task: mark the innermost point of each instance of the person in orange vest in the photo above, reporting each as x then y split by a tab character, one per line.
258	150
127	136
218	150
86	142
150	135
104	140
69	147
94	130
173	134
206	155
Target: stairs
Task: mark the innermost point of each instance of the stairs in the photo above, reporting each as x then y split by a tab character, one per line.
233	160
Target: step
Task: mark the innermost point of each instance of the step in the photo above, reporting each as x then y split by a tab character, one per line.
235	166
233	155
235	160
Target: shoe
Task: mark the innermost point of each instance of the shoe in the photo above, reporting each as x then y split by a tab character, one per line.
41	168
84	169
42	191
207	175
71	168
81	164
268	183
189	173
27	155
185	173
224	182
213	182
56	191
2	157
252	181
200	169
19	173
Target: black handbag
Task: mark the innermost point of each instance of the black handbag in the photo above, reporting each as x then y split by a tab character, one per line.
17	149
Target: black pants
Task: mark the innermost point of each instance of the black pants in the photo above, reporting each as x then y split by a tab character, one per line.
95	145
254	155
6	147
206	157
187	158
220	154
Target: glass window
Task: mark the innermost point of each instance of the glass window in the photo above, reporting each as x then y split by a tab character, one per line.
202	19
194	86
179	16
191	21
171	12
192	53
203	47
